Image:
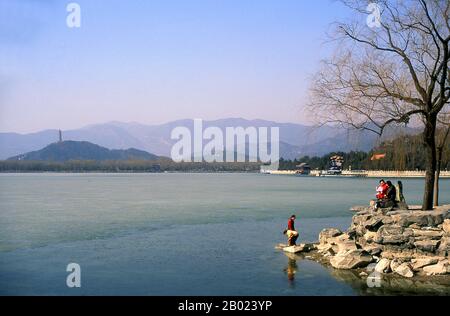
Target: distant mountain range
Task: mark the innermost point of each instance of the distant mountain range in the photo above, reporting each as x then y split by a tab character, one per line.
74	150
296	140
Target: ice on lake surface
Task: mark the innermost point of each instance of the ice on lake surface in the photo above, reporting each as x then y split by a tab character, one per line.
176	234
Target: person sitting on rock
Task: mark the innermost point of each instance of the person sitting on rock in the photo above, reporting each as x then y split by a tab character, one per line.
391	193
290	232
381	190
389	198
381	193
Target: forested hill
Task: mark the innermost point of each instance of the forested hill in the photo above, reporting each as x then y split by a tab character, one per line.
74	150
403	153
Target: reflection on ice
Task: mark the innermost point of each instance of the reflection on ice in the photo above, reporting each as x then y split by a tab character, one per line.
291	268
389	284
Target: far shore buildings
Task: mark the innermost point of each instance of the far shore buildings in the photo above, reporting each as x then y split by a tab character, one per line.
303	168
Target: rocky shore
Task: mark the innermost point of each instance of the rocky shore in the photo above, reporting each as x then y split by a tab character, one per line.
406	243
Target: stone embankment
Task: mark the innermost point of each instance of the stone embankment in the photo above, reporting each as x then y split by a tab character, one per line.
403	242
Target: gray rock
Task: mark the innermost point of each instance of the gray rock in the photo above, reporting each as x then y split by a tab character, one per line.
313	246
393	234
404	270
444	246
351	231
437	269
373	224
414	226
427	245
387	220
360	230
421	238
370	236
446	227
351	259
360	208
395	264
343	242
436	234
340	242
328	233
298	248
358	223
373	250
359	219
326	249
383	266
419	263
421	218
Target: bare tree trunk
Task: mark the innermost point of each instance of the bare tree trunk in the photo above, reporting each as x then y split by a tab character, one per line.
430	148
439	150
436	178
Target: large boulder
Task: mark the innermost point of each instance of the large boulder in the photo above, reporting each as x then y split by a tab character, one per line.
427	245
361	218
373	224
419	263
428	233
351	259
404	270
444	246
383	266
393	234
299	248
446	227
357	227
327	249
361	209
421	218
343	242
442	267
370	236
334	241
395	264
328	233
373	249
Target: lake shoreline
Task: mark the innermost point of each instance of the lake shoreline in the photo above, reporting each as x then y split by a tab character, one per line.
401	247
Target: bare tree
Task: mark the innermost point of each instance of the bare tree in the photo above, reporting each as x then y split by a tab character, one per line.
396	73
442	139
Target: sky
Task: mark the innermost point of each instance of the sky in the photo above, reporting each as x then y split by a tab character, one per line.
154	61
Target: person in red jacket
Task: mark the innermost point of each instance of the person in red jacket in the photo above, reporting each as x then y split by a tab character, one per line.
382	190
290	232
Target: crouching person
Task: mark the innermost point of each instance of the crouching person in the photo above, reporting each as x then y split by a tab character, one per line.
290	232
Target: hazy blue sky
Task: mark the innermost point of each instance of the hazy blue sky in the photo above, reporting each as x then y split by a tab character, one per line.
154	61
